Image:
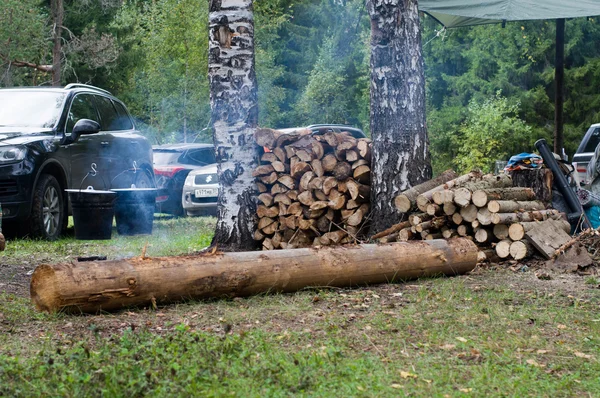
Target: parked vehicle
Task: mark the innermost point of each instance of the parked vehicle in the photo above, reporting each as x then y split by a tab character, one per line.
585	152
172	163
54	138
200	191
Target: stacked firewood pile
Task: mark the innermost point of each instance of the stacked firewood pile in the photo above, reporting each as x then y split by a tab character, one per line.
313	189
486	208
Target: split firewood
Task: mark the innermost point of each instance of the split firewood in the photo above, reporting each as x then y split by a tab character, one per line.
329	183
281	155
362	174
299	169
306	198
264	211
266	199
292	194
262	188
278	188
317	167
269	179
266	137
342	171
329	162
364	148
352	204
481	197
263	170
282	198
268	157
352	155
271	228
406	201
267	244
287	181
316	183
509	218
337	203
295	209
509	206
305	180
358	191
258	235
358	216
280	167
320	195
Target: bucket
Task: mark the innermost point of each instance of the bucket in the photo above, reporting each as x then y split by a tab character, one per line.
134	210
92	213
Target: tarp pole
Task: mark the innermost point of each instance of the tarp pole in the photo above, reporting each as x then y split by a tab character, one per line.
559	77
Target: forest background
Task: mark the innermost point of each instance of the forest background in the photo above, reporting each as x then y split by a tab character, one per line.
489	88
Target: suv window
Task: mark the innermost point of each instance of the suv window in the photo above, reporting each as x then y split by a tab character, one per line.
82	107
198	157
124	121
108	114
593	141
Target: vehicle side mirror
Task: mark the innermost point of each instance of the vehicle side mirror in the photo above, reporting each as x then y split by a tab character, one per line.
83	126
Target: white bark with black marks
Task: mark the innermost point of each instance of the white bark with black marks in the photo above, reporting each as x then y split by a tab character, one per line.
400	146
233	99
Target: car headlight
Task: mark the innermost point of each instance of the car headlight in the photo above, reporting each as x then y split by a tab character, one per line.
12	153
189	181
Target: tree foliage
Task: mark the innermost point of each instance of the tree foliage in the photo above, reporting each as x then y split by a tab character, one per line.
312	65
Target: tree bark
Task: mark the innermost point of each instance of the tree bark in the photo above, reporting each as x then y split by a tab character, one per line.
58	12
111	285
400	155
234	111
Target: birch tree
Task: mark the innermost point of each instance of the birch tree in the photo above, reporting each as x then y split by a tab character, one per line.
400	145
234	110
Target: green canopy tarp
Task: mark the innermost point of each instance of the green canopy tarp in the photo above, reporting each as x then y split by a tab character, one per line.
455	13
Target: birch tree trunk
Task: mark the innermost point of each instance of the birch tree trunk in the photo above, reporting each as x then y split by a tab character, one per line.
400	145
233	100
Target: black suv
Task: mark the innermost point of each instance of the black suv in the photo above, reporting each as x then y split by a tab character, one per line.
56	138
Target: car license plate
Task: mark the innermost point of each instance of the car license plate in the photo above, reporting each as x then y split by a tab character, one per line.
203	193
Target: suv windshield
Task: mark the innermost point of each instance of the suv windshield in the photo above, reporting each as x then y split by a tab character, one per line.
30	108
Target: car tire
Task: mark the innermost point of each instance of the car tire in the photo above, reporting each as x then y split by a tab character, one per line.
144	179
48	216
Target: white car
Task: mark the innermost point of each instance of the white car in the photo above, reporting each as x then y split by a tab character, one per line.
200	191
585	154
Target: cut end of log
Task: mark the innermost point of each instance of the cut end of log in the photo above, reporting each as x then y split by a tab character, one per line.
44	292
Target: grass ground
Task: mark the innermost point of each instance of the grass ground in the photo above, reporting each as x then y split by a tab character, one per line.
499	331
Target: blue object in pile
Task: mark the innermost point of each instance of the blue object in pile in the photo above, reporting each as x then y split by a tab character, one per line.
593	214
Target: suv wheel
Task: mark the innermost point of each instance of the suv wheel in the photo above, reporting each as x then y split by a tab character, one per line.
48	211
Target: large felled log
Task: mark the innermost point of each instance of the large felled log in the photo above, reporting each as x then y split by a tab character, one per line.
111	285
407	199
540	180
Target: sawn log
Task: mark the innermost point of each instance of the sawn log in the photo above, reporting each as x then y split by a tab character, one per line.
95	286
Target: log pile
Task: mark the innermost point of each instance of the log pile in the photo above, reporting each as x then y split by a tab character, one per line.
313	189
486	209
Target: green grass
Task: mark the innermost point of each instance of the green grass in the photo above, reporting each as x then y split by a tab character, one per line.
170	236
492	333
